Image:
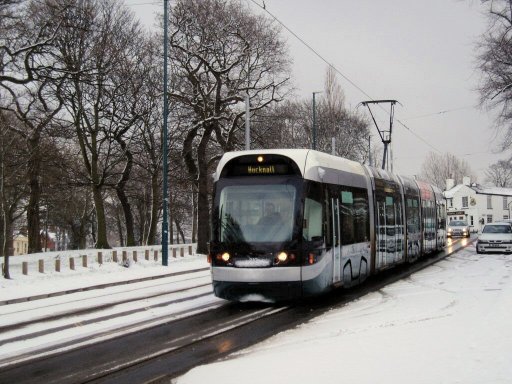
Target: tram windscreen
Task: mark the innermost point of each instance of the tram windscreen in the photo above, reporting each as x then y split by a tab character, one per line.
257	213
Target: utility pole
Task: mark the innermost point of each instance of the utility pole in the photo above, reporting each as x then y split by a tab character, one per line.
165	223
314	120
248	108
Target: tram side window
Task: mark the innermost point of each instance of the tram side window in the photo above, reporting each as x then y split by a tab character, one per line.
413	215
441	216
347	218
354	217
313	215
361	219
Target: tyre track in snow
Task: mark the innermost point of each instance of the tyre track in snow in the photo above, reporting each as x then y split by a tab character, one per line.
159	353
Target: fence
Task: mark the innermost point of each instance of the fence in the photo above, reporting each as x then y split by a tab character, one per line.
124	256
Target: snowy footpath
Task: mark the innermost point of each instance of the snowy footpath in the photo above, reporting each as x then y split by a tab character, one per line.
450	323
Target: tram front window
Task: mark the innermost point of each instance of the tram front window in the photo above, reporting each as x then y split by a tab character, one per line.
257	213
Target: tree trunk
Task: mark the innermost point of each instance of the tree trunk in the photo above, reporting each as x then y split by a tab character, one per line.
120	230
128	217
33	224
101	240
7	246
194	215
179	232
203	208
155	207
121	194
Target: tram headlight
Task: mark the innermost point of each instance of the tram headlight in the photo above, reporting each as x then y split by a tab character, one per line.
223	257
285	258
282	257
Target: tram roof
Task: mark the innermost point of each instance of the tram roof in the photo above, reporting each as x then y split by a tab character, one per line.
308	161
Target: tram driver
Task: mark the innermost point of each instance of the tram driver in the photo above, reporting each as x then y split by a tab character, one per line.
270	216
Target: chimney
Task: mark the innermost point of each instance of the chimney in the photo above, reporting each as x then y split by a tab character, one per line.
450	183
466	181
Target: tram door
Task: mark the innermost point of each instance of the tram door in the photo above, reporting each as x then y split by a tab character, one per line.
336	240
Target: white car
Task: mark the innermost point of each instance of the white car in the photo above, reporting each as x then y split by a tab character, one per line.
458	228
496	238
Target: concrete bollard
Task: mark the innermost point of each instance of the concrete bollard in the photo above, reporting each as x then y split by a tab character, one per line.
182	252
190	250
24	267
57	265
114	256
41	266
146	254
135	258
156	255
84	261
174	252
100	258
72	263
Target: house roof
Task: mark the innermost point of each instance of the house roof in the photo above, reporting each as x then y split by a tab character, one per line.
479	190
453	191
492	190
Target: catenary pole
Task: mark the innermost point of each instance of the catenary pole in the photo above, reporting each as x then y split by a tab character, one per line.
165	223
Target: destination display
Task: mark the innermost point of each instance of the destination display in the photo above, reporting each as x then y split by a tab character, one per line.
259	169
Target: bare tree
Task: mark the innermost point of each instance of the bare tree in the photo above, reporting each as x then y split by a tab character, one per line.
495	63
12	187
35	105
34	98
25	41
219	53
289	124
436	169
95	37
500	174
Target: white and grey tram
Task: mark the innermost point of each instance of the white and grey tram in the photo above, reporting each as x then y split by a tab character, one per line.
295	223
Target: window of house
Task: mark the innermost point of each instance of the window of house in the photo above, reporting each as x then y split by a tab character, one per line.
505	217
471	222
464	202
450	203
489	218
489	202
505	205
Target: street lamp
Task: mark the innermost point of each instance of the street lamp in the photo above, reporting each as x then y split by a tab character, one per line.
314	119
165	224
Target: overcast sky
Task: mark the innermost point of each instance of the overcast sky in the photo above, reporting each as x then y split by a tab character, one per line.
421	53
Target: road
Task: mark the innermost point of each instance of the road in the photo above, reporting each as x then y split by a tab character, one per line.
120	344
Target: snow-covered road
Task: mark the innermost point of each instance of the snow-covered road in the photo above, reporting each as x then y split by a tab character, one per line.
449	323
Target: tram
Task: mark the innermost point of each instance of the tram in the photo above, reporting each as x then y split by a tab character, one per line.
294	223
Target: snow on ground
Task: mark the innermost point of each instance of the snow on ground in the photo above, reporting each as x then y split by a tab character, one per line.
36	283
150	295
450	323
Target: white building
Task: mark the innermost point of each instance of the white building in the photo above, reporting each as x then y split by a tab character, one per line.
476	204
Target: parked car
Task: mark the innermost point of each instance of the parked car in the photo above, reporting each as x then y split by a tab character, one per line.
458	228
496	238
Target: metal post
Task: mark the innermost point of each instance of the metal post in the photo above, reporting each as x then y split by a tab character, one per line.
369	151
314	121
165	224
247	122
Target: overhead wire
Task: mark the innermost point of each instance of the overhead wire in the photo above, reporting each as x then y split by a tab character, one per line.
264	8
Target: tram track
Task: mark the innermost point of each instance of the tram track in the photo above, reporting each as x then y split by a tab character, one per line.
159	353
98	286
75	319
59	314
